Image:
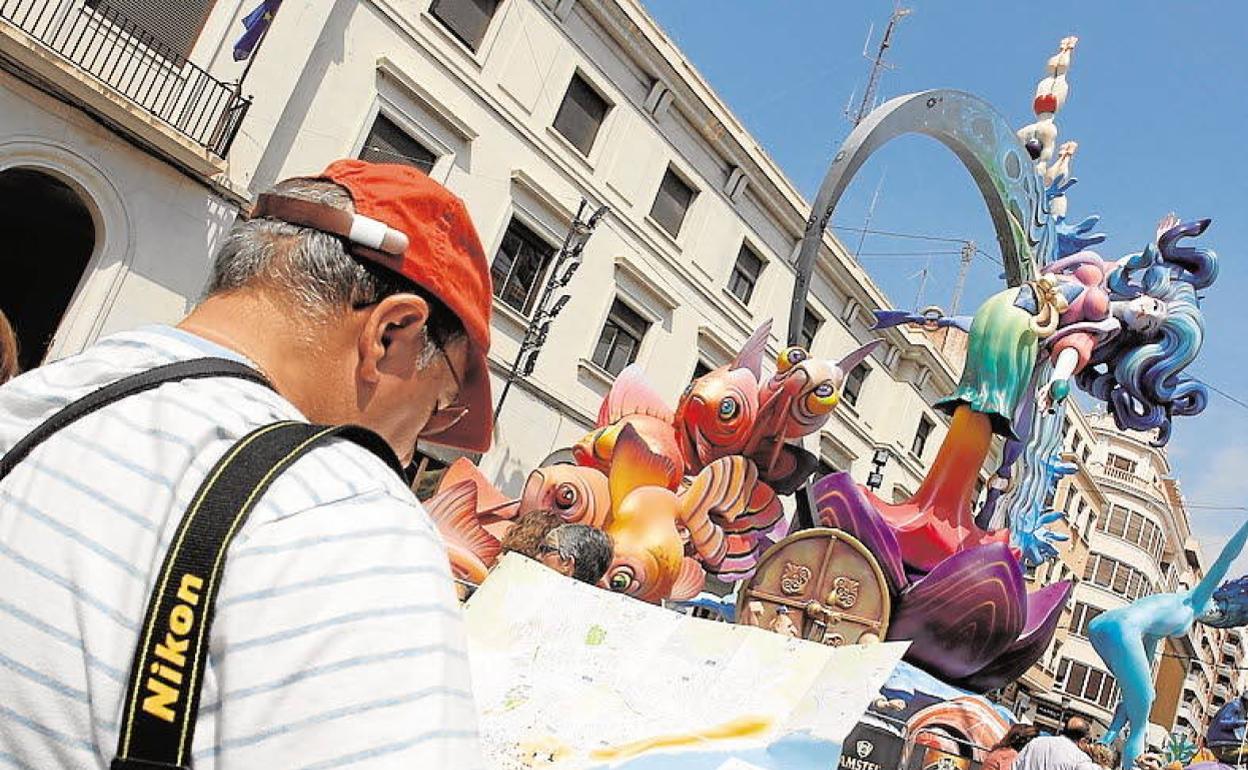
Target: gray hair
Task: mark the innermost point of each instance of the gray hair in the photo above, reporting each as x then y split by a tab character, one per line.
313	269
590	549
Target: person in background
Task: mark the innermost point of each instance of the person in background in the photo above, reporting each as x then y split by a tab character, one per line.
529	531
1002	756
10	367
577	551
1065	751
1103	755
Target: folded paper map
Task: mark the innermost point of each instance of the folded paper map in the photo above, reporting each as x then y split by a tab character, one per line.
568	676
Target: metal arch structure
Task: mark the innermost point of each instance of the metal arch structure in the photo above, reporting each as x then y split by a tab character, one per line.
987	146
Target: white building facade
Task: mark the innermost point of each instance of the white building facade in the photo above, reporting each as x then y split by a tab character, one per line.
523	108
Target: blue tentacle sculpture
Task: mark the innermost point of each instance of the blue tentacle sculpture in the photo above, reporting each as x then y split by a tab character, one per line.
1127	639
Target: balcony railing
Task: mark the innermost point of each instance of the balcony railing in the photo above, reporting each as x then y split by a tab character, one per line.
1119	474
135	64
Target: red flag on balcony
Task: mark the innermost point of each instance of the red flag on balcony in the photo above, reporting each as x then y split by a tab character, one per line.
256	23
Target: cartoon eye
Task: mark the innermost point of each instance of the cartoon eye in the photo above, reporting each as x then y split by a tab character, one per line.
790	357
620	580
822	399
728	408
566	496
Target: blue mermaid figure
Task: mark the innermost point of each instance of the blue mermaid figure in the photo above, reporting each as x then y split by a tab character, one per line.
1127	640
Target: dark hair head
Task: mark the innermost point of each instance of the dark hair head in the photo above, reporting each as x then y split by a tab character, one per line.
589	547
1018	736
1077	729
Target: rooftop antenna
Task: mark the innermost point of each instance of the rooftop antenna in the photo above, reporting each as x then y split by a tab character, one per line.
878	65
875	198
968	253
922	276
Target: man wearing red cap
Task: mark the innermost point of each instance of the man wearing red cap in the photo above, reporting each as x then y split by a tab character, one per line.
363	297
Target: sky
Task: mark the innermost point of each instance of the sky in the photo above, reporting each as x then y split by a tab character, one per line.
1158	104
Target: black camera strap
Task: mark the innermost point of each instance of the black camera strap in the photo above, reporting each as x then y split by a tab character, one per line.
162	698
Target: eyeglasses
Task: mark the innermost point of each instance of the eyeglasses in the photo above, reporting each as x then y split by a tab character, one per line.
548	545
443	418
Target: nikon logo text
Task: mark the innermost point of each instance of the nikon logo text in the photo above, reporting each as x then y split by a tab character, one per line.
164	685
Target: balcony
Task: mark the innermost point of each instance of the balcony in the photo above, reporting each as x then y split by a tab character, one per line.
55	41
1118	474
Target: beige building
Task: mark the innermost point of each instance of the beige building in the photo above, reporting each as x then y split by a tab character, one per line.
1130	537
523	108
113	170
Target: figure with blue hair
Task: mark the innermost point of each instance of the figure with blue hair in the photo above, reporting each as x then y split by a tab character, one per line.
1127	640
1124	331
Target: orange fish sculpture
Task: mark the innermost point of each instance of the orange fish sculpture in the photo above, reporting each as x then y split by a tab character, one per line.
717	412
718	518
578	494
469	547
645	525
631	402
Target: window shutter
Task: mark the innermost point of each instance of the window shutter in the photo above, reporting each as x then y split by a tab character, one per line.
172	26
387	143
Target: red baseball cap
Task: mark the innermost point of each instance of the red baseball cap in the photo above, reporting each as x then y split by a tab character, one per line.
444	257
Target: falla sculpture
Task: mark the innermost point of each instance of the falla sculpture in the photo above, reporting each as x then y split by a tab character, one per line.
683	492
1124	331
695	489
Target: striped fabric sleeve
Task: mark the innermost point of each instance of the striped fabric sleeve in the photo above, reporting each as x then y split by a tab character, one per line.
338	642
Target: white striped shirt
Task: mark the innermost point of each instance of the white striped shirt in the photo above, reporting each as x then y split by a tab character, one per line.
337	641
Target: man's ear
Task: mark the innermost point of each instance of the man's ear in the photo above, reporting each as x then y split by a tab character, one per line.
392	331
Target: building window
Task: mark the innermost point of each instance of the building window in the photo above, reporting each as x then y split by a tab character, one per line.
672	203
581	114
1120	463
1086	455
620	339
810	328
387	143
1134	528
701	369
745	274
1122	579
920	436
173	27
467	20
853	384
519	267
1088	683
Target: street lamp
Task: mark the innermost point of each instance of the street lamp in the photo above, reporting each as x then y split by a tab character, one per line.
875	479
566	264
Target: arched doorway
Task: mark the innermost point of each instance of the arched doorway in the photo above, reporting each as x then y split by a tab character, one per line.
47	236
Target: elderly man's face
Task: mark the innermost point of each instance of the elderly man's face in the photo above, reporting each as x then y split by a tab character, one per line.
407	384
